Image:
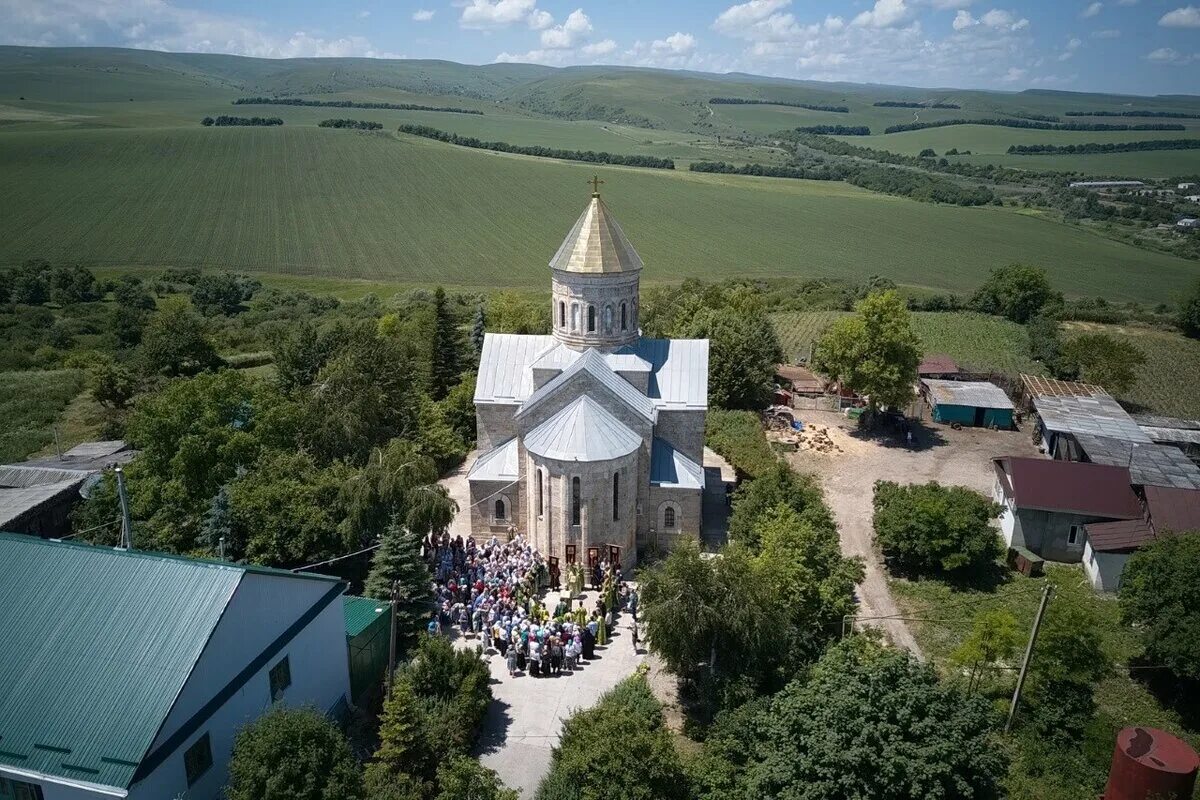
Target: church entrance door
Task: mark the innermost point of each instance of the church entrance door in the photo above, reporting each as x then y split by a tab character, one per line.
570	554
614	556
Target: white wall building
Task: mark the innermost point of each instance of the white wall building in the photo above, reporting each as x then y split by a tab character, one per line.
128	674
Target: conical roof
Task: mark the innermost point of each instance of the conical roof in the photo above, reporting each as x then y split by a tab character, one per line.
596	244
583	431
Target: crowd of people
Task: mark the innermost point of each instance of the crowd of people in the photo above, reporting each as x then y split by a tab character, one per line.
494	592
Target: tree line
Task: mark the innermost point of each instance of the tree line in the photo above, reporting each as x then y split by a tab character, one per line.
768	170
911	104
225	120
590	156
1106	147
1162	114
1009	122
749	101
837	130
296	101
359	124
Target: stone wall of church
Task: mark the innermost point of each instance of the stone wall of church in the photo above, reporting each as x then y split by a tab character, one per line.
587	308
494	424
683	430
685	505
485	515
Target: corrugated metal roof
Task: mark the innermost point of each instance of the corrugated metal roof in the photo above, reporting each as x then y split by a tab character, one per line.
1071	487
1114	537
361	613
97	645
1159	421
1163	435
596	244
976	394
1149	464
678	367
1174	510
1099	416
671	468
582	431
498	464
17	502
91	456
592	362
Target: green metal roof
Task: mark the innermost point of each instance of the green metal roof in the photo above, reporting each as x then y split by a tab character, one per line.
98	644
361	612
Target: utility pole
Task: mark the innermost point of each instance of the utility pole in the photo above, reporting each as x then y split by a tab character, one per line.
221	548
1037	623
126	524
392	642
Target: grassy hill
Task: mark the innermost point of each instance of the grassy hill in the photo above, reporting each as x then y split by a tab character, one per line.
314	201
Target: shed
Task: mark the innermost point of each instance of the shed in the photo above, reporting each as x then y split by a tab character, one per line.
937	365
368	634
977	403
37	496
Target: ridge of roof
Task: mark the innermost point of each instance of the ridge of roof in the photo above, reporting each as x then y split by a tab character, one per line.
594	364
583	430
596	244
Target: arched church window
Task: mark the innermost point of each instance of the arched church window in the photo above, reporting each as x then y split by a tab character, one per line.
608	319
669	518
562	314
575	502
501	511
591	319
574	316
616	496
540	507
624	317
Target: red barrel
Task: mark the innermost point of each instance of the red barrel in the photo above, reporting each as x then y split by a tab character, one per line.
1149	763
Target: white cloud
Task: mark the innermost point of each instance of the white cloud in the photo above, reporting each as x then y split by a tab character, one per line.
1091	11
602	48
1186	17
495	13
1073	44
1169	55
885	14
1014	74
950	5
997	19
364	14
540	20
1110	33
422	15
677	43
565	36
963	20
1127	2
158	25
738	17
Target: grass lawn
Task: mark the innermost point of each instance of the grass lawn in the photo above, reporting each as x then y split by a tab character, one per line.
30	405
1166	383
310	202
1121	700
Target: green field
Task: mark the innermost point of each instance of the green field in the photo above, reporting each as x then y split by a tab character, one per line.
309	201
1166	383
30	403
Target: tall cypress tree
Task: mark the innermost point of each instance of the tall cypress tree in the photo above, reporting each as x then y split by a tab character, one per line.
446	366
478	329
399	560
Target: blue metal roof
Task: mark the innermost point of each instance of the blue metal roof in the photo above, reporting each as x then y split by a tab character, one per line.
669	467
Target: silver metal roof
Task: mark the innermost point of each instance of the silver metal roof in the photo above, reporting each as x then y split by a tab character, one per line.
593	364
678	367
1098	416
1180	435
498	464
1148	464
583	431
671	468
977	394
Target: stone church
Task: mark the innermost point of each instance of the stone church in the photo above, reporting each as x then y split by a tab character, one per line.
591	439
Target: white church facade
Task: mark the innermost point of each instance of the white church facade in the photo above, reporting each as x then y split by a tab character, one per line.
591	439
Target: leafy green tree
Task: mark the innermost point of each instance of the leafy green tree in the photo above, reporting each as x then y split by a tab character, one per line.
30	283
873	722
70	285
1045	341
615	749
1068	662
994	638
1188	316
509	312
874	352
1104	360
446	362
398	484
464	778
778	485
930	528
218	525
1018	292
398	560
478	329
130	292
458	410
217	293
403	755
435	437
113	385
453	687
1160	590
299	353
743	353
292	754
127	324
174	341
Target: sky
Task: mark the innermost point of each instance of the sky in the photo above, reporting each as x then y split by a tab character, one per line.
1128	46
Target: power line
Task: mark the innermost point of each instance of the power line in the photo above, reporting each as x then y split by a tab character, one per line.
89	530
339	558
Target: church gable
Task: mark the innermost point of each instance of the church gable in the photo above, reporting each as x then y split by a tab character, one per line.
590	372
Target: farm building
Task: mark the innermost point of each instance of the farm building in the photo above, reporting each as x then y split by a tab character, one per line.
128	674
37	496
1106	184
1109	545
1188	224
1046	504
938	366
798	379
977	403
368	635
1181	433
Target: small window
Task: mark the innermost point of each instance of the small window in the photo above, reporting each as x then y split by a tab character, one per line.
501	514
616	496
562	314
669	517
540	504
575	502
1073	536
624	317
281	678
19	790
574	316
198	758
608	319
591	319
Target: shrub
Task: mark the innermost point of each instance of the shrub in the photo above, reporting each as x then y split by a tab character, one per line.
292	754
930	528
